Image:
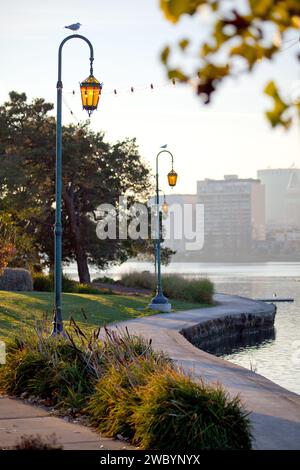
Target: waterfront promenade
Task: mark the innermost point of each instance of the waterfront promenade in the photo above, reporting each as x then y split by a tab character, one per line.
275	411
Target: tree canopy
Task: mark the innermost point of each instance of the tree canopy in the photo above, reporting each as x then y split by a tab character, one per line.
94	172
247	30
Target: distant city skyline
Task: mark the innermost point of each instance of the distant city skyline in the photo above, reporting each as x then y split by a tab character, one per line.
231	136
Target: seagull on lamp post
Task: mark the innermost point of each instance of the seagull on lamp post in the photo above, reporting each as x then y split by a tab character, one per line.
74	27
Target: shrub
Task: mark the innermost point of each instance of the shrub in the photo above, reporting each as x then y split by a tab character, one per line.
68	285
120	347
46	368
144	280
116	396
87	289
65	371
193	290
42	282
16	279
45	283
126	388
177	413
174	286
105	280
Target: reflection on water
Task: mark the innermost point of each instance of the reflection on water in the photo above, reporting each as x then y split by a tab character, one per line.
277	359
238	343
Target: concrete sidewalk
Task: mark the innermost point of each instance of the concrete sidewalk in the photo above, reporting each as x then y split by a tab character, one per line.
18	419
275	412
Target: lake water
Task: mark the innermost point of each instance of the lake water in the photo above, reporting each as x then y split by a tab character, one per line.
276	357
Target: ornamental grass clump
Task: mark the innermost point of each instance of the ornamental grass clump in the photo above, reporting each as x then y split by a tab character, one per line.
64	371
175	412
47	369
143	280
121	347
116	396
174	286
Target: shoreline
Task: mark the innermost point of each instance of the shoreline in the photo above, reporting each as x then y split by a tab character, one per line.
275	411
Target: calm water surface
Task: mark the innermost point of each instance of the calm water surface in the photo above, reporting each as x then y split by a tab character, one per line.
277	357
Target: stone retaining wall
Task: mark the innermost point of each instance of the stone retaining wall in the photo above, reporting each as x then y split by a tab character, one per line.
229	326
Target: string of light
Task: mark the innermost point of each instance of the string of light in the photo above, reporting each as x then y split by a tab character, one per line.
133	89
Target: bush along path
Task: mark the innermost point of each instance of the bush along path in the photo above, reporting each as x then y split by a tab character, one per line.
124	389
174	286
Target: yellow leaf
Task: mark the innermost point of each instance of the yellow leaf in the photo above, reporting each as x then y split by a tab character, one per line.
271	89
183	44
295	21
173	9
277	115
165	55
178	74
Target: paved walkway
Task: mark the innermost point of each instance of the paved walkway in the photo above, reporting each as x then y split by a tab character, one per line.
18	419
275	410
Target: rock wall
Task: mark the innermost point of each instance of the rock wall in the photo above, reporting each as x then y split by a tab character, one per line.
230	326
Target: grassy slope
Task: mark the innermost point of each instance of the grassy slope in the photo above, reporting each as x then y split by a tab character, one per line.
22	309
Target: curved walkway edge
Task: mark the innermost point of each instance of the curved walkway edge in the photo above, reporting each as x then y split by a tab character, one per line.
275	412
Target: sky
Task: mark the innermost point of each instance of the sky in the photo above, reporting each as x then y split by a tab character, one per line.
231	136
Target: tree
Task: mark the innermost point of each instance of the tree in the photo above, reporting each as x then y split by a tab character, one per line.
94	172
7	248
252	30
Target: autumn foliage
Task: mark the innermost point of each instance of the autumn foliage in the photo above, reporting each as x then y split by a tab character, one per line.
7	251
241	36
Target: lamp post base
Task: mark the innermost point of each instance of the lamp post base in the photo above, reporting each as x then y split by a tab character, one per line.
160	303
57	328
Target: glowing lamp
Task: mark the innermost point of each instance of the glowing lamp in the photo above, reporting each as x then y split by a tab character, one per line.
172	178
90	93
165	208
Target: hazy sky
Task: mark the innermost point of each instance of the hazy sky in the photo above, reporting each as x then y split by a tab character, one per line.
230	136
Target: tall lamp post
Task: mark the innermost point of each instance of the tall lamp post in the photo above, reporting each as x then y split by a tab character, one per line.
160	302
164	211
90	93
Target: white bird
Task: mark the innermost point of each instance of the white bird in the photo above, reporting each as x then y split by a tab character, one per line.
74	26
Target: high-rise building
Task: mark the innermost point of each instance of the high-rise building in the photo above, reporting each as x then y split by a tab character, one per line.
180	222
282	197
234	214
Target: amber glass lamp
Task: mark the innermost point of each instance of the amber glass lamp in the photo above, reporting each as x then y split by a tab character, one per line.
172	178
165	208
90	93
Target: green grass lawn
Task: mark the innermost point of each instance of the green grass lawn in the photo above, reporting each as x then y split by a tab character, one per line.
19	310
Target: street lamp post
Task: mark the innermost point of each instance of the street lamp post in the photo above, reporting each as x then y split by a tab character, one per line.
165	205
90	93
160	302
164	211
